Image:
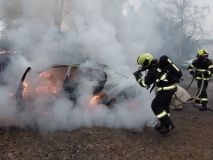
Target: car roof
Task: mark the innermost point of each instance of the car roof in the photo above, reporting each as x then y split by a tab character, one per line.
72	65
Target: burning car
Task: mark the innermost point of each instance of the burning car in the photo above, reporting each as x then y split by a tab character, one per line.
53	96
66	80
39	93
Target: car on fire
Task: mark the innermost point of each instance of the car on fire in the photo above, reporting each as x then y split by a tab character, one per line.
71	81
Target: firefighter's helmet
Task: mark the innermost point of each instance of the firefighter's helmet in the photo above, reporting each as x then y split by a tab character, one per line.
145	59
202	52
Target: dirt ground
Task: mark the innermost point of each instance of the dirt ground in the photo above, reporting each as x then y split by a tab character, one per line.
192	139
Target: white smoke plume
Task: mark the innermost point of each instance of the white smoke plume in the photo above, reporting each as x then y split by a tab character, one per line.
112	32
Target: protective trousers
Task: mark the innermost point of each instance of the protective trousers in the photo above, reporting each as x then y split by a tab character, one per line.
160	106
203	98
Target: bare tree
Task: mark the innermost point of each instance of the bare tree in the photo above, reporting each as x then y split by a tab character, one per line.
187	15
59	10
184	20
17	9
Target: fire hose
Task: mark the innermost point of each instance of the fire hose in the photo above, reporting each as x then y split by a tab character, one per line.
199	93
190	83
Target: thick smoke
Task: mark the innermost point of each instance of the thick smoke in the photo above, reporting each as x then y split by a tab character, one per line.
112	32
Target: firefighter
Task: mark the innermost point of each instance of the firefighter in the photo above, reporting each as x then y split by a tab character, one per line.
164	87
201	68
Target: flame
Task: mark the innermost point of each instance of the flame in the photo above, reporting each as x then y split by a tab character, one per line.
44	75
46	89
6	52
44	86
47	85
95	99
55	90
25	88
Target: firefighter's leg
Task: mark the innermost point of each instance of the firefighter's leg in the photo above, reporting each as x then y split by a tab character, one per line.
168	98
158	107
166	103
197	101
204	97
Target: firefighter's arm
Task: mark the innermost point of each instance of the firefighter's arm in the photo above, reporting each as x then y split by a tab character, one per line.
210	69
190	69
148	79
138	76
142	83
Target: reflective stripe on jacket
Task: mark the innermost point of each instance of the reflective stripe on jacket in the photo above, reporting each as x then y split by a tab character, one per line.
167	88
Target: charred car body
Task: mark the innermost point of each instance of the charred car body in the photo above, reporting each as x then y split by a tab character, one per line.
71	81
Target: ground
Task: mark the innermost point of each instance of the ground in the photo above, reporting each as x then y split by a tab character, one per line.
190	140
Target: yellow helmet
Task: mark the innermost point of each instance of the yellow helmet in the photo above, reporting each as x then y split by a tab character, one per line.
145	59
202	52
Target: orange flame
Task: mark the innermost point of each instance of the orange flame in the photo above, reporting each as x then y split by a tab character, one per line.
46	89
49	86
44	75
95	99
44	86
25	88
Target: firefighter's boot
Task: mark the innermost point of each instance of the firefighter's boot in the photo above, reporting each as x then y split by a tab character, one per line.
165	130
203	108
158	126
167	125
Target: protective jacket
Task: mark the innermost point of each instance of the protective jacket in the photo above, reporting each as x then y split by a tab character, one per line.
201	66
158	77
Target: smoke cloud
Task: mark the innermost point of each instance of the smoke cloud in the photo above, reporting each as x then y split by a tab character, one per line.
93	31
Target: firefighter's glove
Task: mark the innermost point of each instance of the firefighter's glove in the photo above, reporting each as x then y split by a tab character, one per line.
192	73
141	69
137	75
207	73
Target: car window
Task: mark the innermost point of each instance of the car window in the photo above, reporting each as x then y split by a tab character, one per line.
47	81
52	80
54	74
73	73
99	75
90	74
